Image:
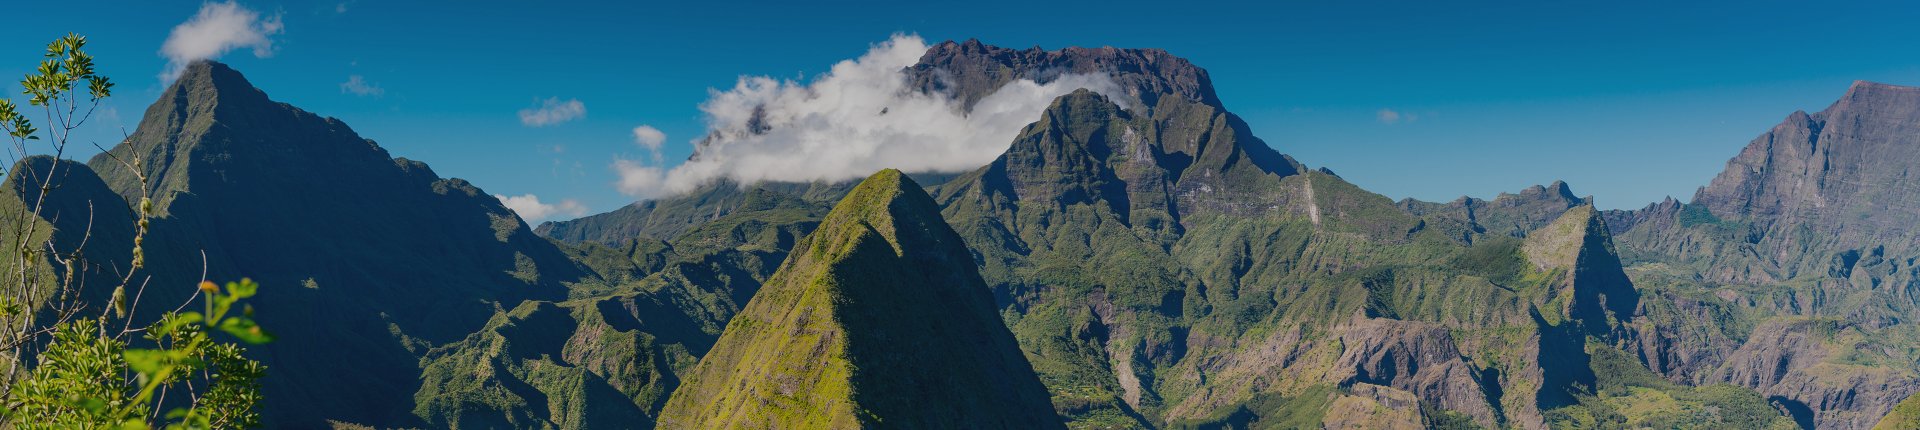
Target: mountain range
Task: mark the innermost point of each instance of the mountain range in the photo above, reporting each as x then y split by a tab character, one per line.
1134	259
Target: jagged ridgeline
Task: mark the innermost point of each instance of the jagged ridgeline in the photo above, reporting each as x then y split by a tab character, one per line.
1795	270
1135	260
877	320
1161	267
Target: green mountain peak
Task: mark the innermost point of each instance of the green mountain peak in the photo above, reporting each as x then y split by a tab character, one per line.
1579	248
877	319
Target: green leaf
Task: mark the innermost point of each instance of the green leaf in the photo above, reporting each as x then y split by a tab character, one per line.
146	361
173	325
243	289
92	405
246	330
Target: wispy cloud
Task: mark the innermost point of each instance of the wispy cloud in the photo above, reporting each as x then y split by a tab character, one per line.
862	115
1387	116
532	210
552	111
1390	116
216	29
358	85
650	138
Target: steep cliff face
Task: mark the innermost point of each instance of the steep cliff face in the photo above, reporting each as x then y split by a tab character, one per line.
1157	281
878	319
971	70
1813	219
1160	274
1579	248
1854	157
1813	195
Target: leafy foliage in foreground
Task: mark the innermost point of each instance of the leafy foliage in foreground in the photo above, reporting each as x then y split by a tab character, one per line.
83	373
87	379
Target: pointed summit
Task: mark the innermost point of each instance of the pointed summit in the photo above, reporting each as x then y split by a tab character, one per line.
1579	248
363	256
877	319
213	83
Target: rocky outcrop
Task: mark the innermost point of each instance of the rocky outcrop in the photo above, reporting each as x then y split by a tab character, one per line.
1579	248
971	70
1418	358
1794	363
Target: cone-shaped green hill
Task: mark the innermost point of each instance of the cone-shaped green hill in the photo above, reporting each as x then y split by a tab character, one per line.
877	319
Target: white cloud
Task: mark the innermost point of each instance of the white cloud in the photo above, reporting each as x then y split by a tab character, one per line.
531	209
861	116
1390	116
552	111
216	29
651	138
638	179
358	85
1387	116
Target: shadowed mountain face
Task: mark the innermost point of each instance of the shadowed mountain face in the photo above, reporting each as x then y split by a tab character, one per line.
365	259
1804	250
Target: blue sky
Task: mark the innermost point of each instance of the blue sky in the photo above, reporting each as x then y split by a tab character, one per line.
1627	101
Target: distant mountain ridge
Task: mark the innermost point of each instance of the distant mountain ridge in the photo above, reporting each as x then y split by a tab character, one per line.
1810	234
1162	267
1152	262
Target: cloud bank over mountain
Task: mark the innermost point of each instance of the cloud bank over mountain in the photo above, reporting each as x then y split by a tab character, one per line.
859	117
216	29
532	209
